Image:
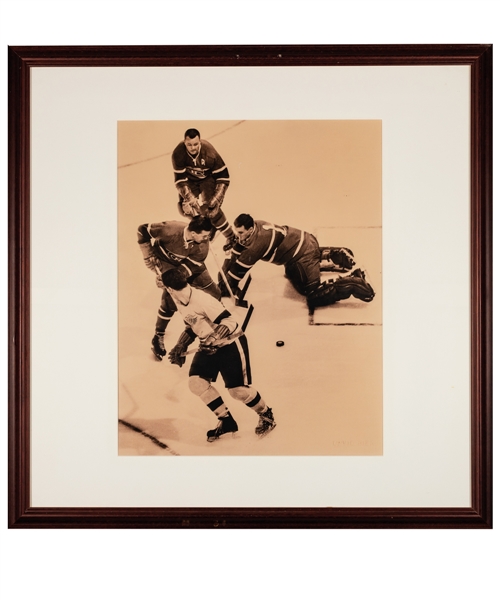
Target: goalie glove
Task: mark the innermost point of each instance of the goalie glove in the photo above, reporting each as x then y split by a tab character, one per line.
336	259
175	356
210	344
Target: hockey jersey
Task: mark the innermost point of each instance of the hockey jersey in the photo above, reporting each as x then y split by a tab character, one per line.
278	244
170	245
203	313
207	162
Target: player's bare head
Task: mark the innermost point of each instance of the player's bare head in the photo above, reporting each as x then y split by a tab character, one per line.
244	226
244	220
192	141
199	224
192	133
199	229
174	279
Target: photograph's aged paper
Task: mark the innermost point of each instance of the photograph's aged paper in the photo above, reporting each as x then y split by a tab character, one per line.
324	383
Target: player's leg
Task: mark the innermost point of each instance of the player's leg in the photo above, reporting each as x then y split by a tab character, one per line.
251	398
304	272
329	292
235	370
202	372
165	313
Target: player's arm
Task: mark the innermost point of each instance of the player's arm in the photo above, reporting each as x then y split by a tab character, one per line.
219	170
220	173
224	326
241	261
189	204
146	242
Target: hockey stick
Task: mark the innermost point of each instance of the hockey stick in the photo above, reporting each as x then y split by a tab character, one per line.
244	289
238	300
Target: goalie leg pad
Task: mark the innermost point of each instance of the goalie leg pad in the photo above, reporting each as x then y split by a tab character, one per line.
355	286
329	292
336	259
324	295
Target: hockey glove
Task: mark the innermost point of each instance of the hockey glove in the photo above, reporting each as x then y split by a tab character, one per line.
175	356
190	209
189	201
150	259
211	343
213	206
336	259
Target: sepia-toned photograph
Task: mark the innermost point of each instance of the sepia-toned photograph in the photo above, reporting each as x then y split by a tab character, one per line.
250	288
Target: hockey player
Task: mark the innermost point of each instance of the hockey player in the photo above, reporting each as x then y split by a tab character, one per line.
201	178
302	257
172	244
223	349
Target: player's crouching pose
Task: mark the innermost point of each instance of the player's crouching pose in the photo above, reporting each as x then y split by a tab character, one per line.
223	349
169	245
302	258
201	179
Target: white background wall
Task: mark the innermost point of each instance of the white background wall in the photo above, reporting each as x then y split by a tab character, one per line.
313	564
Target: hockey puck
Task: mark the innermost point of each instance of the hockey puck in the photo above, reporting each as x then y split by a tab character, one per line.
280	343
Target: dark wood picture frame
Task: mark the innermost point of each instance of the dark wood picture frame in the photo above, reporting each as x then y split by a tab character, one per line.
479	514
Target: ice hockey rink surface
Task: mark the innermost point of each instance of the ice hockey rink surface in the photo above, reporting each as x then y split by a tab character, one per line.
325	383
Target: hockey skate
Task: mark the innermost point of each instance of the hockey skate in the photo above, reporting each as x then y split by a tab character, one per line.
226	425
266	423
158	346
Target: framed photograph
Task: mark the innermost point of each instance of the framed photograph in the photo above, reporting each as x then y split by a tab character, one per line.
250	286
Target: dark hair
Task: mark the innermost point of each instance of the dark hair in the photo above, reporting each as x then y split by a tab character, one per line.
175	279
199	224
244	220
192	133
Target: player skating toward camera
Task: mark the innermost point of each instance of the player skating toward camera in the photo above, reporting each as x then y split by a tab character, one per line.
202	179
299	252
171	245
223	350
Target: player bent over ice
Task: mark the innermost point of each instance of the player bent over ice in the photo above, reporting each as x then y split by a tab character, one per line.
302	258
201	178
223	349
169	245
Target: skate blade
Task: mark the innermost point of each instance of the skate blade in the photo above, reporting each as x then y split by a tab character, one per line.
262	435
157	357
234	434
